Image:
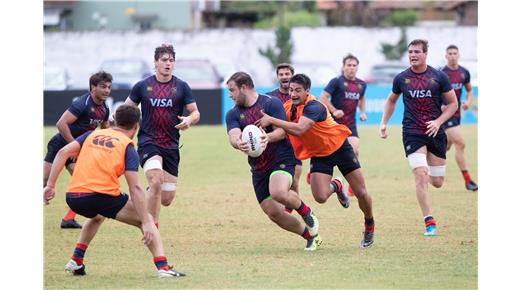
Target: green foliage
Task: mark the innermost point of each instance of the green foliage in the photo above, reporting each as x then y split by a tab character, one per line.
283	48
406	17
291	19
395	52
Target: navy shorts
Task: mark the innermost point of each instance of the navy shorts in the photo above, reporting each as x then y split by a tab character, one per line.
452	122
261	180
90	204
171	157
344	158
55	144
353	129
436	146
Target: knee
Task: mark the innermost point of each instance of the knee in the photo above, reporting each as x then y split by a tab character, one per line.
421	175
155	183
274	215
461	145
437	181
279	196
167	198
320	198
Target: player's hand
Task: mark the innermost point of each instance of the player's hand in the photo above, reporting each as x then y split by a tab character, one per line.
465	106
148	232
382	131
48	194
433	128
184	124
338	114
264	121
363	117
264	138
242	146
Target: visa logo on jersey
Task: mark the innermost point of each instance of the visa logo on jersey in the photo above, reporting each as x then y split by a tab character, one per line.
456	86
420	93
162	102
351	95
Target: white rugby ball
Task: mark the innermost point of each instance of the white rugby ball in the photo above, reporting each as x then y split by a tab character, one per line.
251	134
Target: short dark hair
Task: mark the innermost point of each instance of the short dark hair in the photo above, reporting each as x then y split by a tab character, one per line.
301	79
284	65
100	76
422	42
127	116
452	46
350	56
241	78
164	48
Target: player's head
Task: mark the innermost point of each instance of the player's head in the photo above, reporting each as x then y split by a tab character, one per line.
284	72
350	66
417	52
164	59
452	54
100	85
239	84
127	117
299	87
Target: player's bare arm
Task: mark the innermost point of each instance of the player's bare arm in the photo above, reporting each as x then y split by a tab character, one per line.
70	150
451	106
296	129
192	119
235	139
139	202
362	106
63	123
324	98
469	96
388	110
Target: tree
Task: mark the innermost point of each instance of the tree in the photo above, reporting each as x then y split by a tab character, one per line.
395	52
283	48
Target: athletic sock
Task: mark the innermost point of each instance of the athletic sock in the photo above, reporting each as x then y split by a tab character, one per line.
306	234
303	210
370	225
161	263
288	210
79	253
429	221
465	174
70	215
335	185
157	225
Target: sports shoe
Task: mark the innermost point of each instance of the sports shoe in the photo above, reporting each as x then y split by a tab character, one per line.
69	224
313	243
170	273
74	269
343	198
431	231
471	185
312	222
368	240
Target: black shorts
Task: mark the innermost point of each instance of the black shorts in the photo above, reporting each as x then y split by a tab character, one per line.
171	157
436	146
353	129
344	158
55	144
261	180
452	122
91	204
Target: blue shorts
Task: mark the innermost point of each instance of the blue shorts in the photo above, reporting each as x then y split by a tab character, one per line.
344	158
171	157
436	146
55	144
90	204
261	180
452	122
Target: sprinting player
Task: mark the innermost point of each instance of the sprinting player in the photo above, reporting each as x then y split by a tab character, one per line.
86	113
272	171
347	93
163	98
424	89
314	134
94	190
459	77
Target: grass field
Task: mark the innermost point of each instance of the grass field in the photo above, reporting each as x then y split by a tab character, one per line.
217	234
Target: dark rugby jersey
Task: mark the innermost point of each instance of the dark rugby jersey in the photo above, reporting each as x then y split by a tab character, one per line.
422	97
281	96
275	153
89	115
161	103
344	95
458	78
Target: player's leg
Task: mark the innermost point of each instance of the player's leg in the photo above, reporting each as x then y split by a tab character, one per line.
354	142
456	137
69	220
171	160
155	177
296	179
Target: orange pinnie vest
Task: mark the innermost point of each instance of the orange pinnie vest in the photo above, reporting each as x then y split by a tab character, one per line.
322	139
100	163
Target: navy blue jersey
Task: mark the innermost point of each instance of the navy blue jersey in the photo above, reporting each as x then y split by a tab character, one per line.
315	111
161	103
422	97
458	78
89	115
240	117
281	96
344	95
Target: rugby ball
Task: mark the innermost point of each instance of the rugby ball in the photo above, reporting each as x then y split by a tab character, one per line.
251	134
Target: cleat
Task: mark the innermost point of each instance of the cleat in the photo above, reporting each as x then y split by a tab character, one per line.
313	243
343	199
170	273
74	269
312	223
368	240
430	231
70	224
471	185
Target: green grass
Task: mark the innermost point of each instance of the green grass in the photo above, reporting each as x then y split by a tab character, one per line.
216	232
